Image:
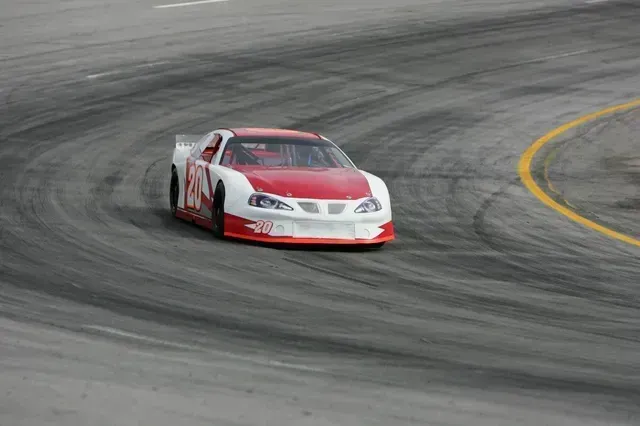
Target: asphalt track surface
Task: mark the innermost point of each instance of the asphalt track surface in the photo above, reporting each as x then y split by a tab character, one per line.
489	309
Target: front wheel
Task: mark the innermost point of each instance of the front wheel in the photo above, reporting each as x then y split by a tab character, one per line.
217	216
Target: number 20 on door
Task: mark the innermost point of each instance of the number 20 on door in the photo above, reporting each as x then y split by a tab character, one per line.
195	176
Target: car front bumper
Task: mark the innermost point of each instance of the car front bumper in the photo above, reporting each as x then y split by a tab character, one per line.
297	230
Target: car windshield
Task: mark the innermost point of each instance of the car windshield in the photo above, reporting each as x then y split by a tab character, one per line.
283	152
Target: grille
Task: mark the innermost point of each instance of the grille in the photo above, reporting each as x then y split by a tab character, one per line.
336	208
309	207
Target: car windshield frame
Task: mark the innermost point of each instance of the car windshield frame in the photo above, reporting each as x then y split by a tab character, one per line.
318	153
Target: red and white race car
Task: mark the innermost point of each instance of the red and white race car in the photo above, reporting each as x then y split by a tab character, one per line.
280	186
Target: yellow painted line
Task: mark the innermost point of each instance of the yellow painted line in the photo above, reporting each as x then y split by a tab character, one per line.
524	169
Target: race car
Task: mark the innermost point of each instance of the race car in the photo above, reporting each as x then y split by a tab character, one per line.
277	186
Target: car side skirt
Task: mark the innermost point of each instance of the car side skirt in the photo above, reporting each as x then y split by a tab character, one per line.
199	220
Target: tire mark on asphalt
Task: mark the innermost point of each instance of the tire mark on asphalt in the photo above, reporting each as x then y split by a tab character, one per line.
479	225
331	272
5	98
466	304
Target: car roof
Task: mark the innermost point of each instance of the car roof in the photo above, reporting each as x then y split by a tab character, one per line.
268	132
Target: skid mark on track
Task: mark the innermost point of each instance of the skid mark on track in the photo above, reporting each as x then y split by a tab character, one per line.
152	340
552	57
524	170
190	3
124	70
550	185
479	217
5	97
139	337
331	272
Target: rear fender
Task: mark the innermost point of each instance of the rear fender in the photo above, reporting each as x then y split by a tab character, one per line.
183	147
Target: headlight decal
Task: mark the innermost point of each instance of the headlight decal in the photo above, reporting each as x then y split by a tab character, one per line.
266	202
369	205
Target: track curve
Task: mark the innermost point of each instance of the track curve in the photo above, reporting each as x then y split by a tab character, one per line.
489	309
595	172
599	159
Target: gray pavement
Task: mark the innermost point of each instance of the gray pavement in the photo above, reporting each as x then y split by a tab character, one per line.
489	309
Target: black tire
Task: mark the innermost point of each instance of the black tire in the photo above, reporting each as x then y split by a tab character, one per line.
174	192
217	215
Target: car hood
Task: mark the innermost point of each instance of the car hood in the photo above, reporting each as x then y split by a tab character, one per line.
301	182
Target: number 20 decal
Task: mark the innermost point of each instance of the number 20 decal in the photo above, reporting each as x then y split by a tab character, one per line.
263	227
195	177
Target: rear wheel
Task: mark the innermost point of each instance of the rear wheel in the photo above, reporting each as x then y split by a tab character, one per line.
217	216
174	192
